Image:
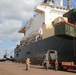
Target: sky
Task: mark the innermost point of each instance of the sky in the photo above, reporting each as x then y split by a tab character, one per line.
13	15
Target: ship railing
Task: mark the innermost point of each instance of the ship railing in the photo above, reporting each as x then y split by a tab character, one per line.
43	5
34	33
23	39
28	24
64	22
37	32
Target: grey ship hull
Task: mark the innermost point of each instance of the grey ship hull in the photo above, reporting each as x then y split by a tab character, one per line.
35	51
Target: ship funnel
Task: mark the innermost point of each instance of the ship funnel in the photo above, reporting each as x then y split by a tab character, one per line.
68	5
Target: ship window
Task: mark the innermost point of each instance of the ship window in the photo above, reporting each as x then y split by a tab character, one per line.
43	22
66	8
52	22
52	51
19	50
34	15
57	7
60	8
63	8
28	52
17	54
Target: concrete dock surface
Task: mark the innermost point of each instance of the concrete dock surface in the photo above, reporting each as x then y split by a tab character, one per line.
10	68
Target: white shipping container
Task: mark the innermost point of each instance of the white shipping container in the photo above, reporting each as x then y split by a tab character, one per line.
59	19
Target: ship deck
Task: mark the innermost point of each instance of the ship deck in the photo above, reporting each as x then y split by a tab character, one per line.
10	68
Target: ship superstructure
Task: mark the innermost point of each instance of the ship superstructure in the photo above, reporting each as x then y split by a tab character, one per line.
43	32
47	13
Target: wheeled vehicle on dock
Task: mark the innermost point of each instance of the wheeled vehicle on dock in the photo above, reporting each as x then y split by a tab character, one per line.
52	55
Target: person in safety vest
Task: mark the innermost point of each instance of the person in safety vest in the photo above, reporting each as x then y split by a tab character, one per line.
47	64
27	63
56	65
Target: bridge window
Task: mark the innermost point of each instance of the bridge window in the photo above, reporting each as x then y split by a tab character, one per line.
28	53
17	54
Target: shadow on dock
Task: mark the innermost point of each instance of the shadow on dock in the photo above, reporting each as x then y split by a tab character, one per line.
37	67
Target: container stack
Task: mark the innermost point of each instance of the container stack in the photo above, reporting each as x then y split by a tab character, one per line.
65	26
71	15
65	30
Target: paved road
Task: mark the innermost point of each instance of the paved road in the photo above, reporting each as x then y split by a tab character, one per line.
9	68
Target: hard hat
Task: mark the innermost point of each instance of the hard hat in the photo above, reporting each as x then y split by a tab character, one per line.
28	58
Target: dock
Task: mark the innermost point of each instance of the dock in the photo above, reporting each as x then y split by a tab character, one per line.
11	68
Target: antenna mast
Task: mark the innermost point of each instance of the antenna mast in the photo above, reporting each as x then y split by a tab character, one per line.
68	4
60	2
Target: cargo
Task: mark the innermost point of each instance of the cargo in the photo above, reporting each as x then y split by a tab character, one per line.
59	19
68	63
36	46
70	12
65	29
71	15
47	31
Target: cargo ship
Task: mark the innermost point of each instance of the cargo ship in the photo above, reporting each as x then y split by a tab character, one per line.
52	28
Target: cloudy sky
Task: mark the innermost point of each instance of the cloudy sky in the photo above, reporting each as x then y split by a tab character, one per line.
13	15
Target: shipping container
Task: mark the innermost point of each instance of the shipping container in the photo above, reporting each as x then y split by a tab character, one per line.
65	30
59	19
70	12
71	15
